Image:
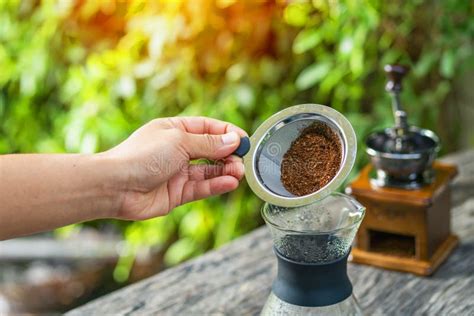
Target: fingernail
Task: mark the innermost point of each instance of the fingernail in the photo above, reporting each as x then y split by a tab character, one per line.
230	138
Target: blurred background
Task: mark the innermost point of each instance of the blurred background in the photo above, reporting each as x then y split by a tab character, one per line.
81	75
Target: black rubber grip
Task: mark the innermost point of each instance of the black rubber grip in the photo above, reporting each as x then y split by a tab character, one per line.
312	285
243	148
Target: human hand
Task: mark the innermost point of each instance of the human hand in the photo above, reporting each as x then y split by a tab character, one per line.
156	170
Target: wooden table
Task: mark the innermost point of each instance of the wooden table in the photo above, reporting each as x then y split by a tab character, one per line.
236	279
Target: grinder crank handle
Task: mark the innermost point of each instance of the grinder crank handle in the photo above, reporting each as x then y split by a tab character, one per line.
395	74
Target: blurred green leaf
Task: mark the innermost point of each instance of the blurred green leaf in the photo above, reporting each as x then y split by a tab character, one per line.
312	75
181	250
306	40
297	13
447	64
425	63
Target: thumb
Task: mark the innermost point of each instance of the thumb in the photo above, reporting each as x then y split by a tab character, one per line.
211	146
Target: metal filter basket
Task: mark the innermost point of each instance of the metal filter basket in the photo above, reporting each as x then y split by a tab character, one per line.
274	137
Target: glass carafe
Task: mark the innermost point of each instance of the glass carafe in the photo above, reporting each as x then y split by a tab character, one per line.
312	244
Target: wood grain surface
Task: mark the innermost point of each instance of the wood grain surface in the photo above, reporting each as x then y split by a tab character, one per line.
236	279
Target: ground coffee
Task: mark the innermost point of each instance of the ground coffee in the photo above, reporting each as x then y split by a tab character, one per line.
312	160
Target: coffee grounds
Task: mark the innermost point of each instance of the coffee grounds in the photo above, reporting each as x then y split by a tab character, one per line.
312	160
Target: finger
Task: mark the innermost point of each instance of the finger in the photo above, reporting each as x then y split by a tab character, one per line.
210	146
196	190
234	168
205	125
233	158
203	172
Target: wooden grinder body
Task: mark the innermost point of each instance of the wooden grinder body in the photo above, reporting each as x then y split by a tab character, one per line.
405	230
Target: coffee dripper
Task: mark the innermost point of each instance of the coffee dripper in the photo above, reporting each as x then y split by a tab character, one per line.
313	233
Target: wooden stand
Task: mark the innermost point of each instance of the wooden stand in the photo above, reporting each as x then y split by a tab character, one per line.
405	230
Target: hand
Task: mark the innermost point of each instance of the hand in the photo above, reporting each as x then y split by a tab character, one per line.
156	164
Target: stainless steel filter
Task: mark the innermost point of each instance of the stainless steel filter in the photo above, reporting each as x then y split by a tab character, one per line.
274	137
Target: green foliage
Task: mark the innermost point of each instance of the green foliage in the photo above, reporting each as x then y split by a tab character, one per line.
79	76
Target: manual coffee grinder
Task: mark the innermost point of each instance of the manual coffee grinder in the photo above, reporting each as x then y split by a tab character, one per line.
407	195
313	233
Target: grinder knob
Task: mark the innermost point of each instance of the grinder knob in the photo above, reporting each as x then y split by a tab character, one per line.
395	74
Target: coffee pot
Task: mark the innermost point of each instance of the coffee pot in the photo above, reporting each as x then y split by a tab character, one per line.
312	244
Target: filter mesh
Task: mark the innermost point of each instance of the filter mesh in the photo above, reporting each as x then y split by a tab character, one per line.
276	143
